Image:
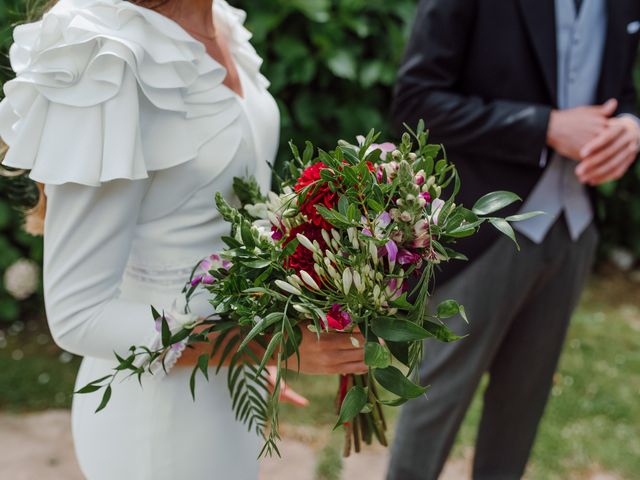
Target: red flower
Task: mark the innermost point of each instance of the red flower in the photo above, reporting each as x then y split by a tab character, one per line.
319	193
301	258
337	318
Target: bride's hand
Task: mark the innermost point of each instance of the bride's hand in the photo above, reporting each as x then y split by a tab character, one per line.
330	353
287	394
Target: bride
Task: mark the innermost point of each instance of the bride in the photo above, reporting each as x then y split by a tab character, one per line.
131	115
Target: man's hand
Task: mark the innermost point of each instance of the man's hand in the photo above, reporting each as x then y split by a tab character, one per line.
570	130
608	156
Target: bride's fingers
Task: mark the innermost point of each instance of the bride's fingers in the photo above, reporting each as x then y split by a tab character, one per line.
289	395
346	356
342	341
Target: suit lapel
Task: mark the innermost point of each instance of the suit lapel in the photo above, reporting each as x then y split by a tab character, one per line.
540	18
612	67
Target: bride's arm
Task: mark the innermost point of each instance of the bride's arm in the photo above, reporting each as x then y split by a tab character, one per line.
88	236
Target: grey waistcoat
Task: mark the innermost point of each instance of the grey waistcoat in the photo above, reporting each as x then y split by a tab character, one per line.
581	40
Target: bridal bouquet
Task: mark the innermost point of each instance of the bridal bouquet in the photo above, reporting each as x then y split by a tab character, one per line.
350	244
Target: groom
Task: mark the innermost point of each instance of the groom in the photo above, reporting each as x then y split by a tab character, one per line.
534	97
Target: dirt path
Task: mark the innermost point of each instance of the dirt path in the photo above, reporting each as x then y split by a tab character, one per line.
38	447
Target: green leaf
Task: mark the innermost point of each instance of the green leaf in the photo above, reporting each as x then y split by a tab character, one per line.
395	381
105	399
449	308
523	216
260	327
89	389
503	226
400	351
398	330
353	403
268	354
166	332
203	365
257	264
376	355
247	235
494	201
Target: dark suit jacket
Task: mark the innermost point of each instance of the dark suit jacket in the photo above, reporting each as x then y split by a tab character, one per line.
483	76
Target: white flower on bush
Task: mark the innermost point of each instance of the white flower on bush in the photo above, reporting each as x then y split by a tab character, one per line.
21	279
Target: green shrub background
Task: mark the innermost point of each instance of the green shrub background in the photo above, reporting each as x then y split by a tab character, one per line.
332	64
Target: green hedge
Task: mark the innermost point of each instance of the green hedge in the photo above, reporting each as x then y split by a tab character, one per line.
14	243
332	64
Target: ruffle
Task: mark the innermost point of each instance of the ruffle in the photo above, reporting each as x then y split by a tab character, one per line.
92	75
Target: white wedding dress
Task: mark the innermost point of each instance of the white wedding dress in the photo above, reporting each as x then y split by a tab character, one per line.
124	117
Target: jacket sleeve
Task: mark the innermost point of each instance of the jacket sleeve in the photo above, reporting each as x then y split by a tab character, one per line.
426	89
88	236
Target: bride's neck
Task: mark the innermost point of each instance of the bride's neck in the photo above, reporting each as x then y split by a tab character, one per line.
194	14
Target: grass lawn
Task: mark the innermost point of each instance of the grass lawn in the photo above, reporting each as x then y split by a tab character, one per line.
592	422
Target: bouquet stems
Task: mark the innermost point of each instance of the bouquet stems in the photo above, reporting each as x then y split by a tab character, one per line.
368	423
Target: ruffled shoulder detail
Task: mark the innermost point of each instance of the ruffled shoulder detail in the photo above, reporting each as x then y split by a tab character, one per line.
93	74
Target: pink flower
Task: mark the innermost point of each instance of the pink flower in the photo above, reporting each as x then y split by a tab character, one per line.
213	262
405	257
422	238
395	288
392	251
436	208
337	318
384	148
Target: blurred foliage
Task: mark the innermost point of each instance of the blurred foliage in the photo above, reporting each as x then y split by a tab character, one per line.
14	242
619	206
332	64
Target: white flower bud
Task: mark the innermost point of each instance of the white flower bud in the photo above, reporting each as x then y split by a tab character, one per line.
308	279
330	256
406	216
318	269
336	235
377	293
357	282
294	280
325	237
411	198
347	280
373	252
430	182
305	242
300	308
274	219
287	287
412	157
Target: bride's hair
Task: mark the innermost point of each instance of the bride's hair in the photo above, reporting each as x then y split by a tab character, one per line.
34	217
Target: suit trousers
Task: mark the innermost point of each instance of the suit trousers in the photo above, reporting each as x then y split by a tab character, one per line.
519	305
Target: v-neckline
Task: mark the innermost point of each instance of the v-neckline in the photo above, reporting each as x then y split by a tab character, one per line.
240	96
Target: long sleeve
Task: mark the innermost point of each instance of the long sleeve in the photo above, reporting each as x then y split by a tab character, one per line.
88	236
426	89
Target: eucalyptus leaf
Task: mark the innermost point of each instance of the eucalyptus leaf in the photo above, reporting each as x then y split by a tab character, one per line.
494	201
353	403
395	381
376	355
